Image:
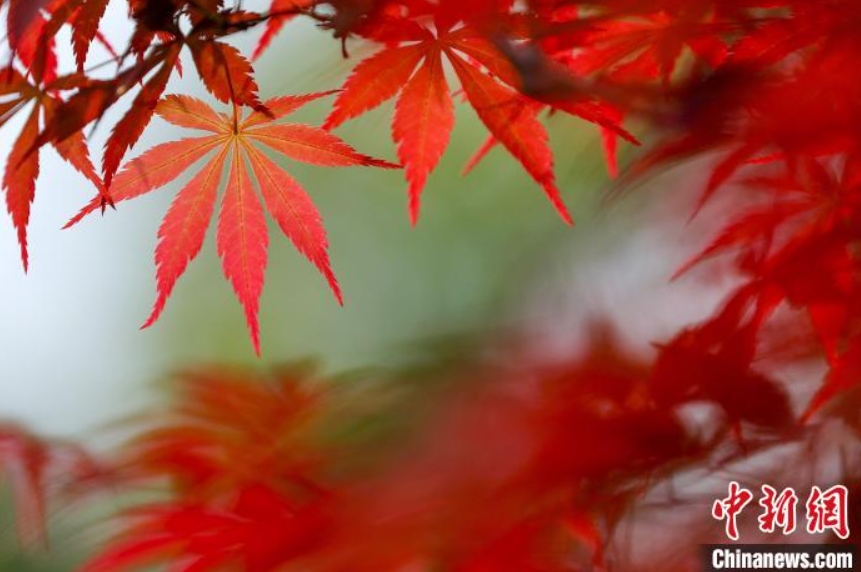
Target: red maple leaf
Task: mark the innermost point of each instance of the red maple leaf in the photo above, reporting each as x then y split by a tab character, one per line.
156	44
22	165
242	237
85	28
280	12
651	46
424	113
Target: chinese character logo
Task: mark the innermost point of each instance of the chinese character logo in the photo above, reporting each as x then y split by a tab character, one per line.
730	507
778	510
826	510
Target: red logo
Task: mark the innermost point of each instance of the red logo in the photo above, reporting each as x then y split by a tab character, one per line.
730	507
778	510
826	510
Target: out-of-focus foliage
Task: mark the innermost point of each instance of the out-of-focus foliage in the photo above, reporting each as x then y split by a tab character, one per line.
37	469
484	459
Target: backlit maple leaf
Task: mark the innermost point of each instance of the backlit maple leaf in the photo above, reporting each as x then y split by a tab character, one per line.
22	164
280	12
242	238
424	113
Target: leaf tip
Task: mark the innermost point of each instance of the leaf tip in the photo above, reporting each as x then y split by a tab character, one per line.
253	327
414	209
556	200
155	313
86	210
330	123
25	255
382	163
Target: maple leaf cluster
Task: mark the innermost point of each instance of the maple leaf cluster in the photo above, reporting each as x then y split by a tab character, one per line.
768	80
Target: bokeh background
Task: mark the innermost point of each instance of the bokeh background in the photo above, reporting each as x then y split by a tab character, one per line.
489	255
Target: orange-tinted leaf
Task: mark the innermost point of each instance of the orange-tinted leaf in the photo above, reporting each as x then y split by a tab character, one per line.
191	113
183	229
242	242
312	145
155	168
241	237
225	72
295	213
279	107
